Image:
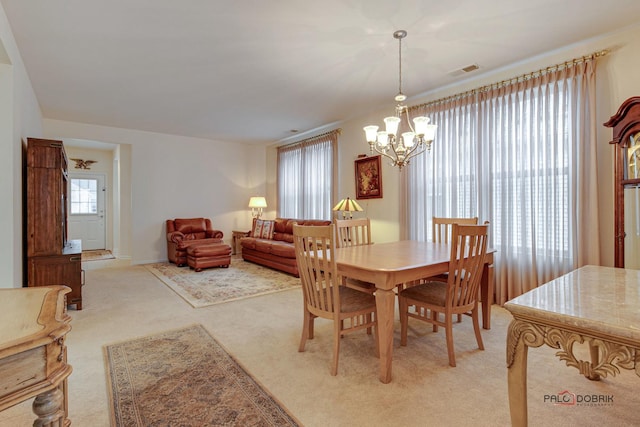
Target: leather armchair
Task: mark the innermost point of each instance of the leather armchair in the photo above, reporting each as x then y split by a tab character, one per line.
185	232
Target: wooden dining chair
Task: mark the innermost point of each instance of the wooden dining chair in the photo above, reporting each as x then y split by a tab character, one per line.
354	232
441	233
441	227
323	297
458	295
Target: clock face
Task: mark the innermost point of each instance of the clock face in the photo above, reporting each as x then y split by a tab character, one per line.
633	157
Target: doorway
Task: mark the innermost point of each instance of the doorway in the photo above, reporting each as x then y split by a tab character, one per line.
87	210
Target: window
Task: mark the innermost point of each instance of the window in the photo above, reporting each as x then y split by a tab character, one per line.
306	177
84	196
520	155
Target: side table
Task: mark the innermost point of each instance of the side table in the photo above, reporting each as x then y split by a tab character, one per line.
593	304
236	235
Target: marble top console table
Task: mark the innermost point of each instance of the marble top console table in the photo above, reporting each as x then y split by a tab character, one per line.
599	306
33	358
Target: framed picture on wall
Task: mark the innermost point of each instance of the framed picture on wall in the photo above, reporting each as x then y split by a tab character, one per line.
368	178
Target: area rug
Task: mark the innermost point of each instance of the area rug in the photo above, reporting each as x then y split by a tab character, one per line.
217	285
97	255
185	378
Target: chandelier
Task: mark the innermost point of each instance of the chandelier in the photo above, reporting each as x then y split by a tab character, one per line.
400	149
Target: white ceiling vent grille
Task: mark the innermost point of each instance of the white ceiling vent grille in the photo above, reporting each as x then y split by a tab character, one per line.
463	70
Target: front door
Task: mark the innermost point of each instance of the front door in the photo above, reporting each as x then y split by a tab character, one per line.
87	210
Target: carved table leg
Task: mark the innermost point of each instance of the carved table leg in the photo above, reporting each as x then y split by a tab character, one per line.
49	407
517	381
595	360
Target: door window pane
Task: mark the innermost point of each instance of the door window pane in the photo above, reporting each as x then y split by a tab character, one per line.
84	196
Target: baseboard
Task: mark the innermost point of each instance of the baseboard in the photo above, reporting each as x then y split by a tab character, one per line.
105	263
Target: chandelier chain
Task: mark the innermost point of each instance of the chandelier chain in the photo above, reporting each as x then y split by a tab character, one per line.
399	65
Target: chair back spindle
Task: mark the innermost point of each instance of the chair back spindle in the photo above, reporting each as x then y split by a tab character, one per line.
353	232
441	227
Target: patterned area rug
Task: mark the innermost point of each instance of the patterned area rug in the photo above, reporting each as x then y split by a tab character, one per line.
97	255
217	285
185	378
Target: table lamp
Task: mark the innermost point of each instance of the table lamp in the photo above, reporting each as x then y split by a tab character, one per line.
257	204
347	205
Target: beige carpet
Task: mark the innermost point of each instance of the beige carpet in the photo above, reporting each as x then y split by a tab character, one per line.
184	377
98	254
263	333
217	285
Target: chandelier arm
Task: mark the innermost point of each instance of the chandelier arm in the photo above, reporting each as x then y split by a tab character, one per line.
406	115
393	147
405	157
413	151
385	155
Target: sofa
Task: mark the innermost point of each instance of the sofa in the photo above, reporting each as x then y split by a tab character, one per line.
270	243
185	232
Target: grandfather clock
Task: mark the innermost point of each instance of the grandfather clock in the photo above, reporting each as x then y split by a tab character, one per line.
626	142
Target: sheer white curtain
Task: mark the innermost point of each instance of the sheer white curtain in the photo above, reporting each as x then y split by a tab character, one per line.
521	155
306	177
444	181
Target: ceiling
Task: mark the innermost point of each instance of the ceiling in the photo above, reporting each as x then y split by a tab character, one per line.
254	70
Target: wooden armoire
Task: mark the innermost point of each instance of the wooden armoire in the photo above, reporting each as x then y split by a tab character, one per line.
51	258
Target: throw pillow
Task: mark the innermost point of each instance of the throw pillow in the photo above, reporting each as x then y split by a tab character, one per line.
257	228
267	229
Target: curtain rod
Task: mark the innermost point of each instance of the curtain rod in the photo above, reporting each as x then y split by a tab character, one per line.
313	138
520	78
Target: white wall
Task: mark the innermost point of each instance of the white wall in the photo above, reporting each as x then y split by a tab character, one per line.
176	177
617	80
19	117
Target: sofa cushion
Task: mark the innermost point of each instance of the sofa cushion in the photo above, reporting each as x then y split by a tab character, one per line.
283	249
283	237
280	225
264	245
248	242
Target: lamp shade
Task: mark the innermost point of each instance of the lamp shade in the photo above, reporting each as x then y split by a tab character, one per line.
347	205
257	202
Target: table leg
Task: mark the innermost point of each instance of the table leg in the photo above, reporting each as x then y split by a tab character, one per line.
50	408
486	294
517	380
595	360
385	302
234	244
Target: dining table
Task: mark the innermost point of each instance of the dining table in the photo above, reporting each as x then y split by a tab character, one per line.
389	265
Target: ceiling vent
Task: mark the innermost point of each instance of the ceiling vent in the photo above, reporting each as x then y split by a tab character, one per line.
463	70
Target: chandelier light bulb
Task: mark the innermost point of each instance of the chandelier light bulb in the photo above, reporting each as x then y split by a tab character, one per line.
407	139
383	138
421	124
392	124
371	132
